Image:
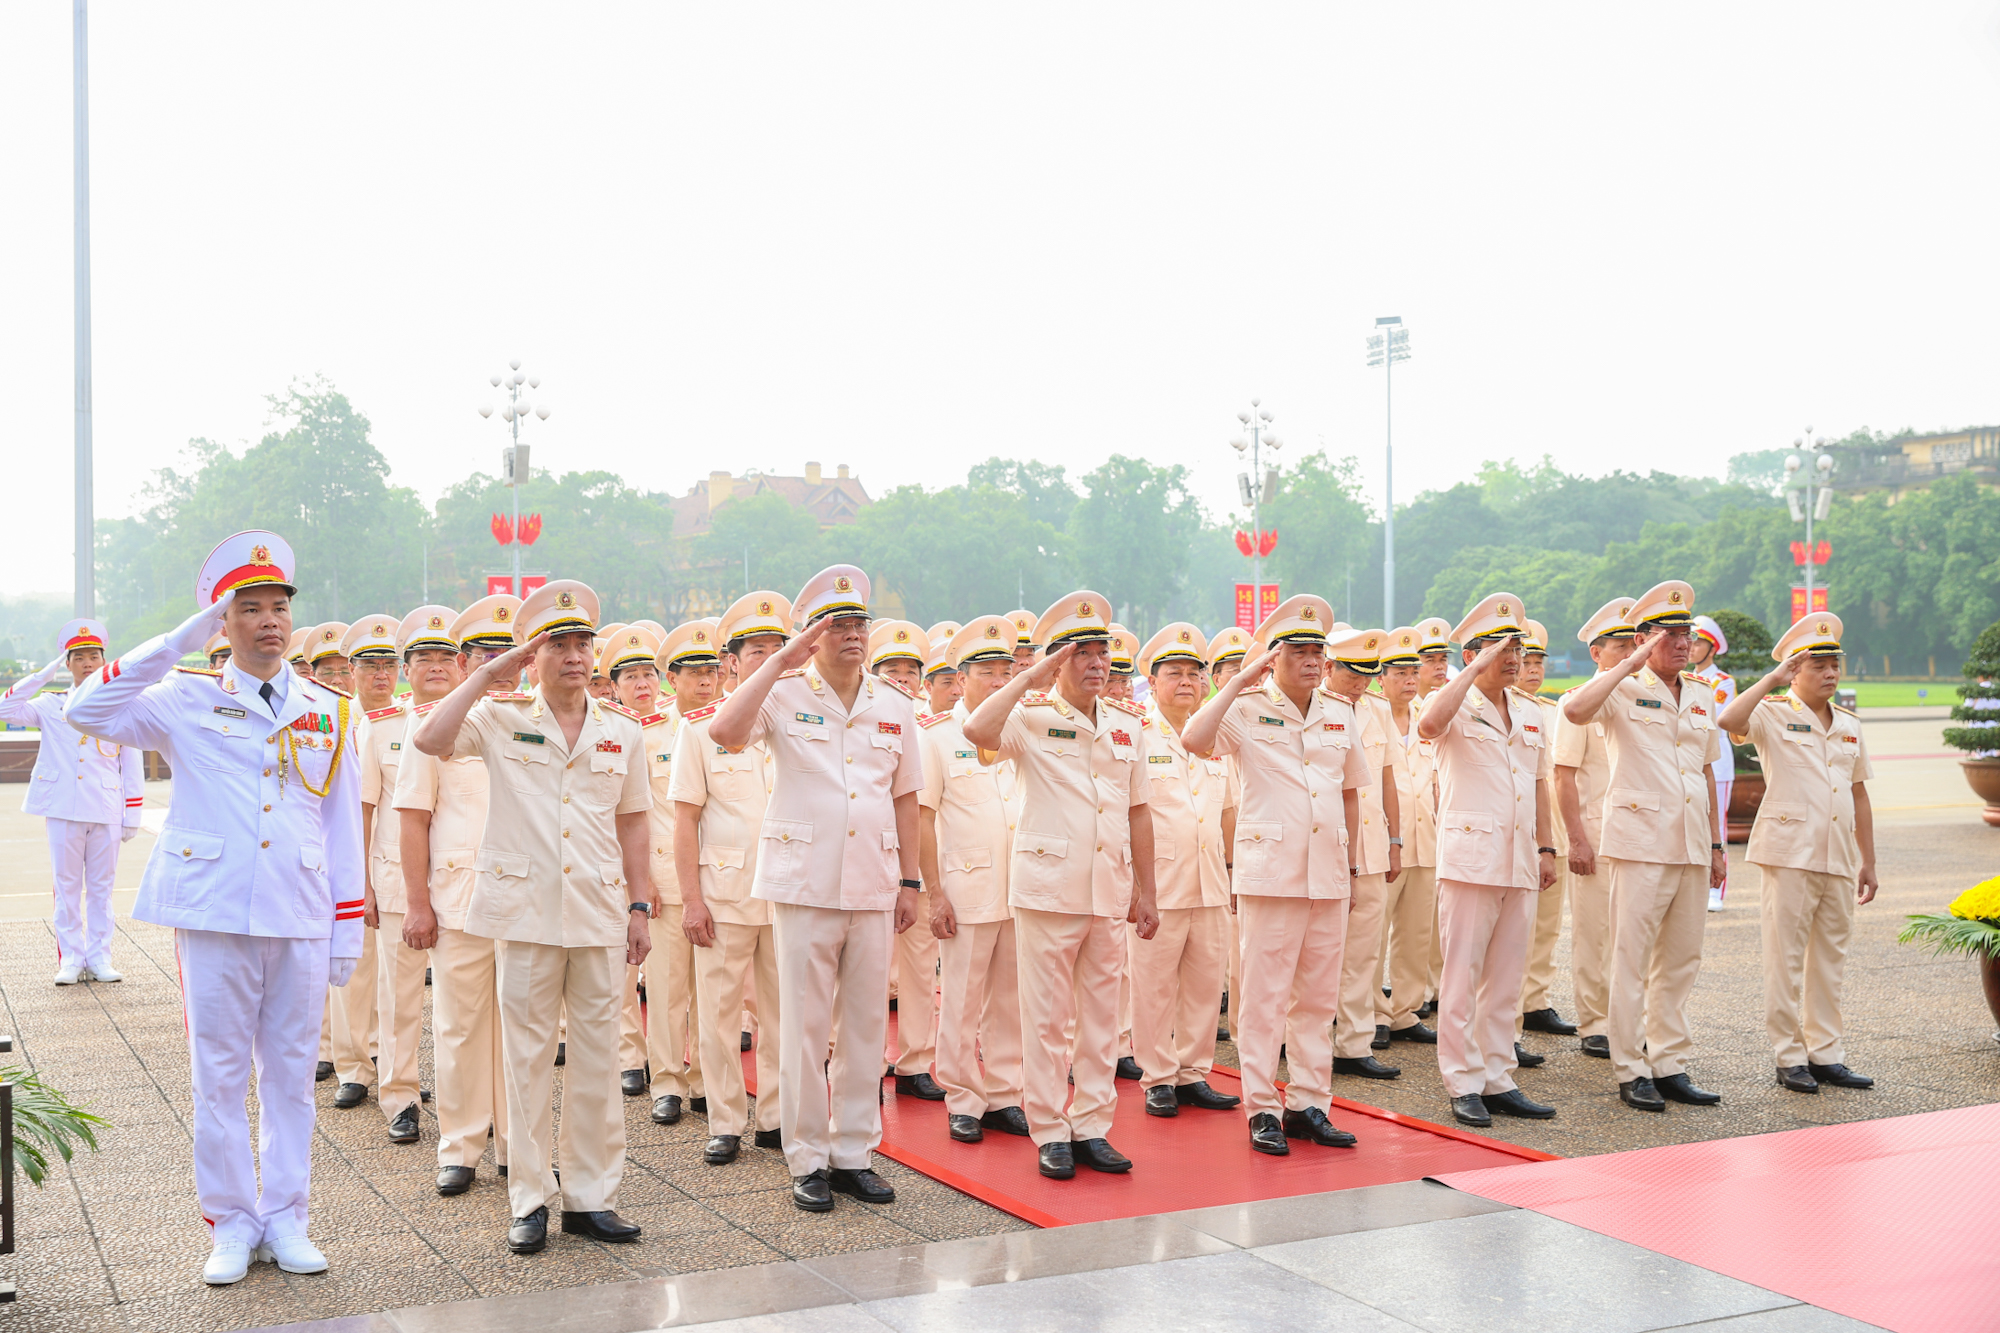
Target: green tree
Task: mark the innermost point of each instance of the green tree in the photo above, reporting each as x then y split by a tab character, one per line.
1044	487
782	544
1550	584
1323	530
1133	535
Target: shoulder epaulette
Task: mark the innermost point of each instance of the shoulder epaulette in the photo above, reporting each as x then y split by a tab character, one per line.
393	710
795	671
1035	697
507	697
652	719
1838	709
422	709
932	719
700	713
902	689
617	707
200	671
333	689
1127	706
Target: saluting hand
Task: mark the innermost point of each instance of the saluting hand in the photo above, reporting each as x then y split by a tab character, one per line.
1043	673
1257	668
1491	651
1787	671
800	649
511	662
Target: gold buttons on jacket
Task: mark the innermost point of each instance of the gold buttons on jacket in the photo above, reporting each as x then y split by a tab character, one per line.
267	809
565	833
264	844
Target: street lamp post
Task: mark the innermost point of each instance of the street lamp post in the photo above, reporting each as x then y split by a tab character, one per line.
1385	349
86	525
1809	493
1256	488
514	458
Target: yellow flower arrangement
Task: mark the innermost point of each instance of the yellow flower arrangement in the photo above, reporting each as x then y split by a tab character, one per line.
1972	926
1981	902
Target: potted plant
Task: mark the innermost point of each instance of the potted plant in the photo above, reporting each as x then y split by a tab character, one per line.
1970	926
1975	722
1748	658
45	1122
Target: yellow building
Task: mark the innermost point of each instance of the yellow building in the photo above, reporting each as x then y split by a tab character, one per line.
1912	462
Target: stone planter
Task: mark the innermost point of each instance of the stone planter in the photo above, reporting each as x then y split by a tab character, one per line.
1745	795
1983	776
1989	978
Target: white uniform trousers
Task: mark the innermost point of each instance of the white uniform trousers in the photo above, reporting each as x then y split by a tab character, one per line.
1069	967
1409	921
1485	931
979	1024
1590	949
353	1036
1291	986
1658	913
740	955
399	1000
85	857
535	982
1232	950
1808	918
1176	992
915	1044
1361	967
631	1023
1540	977
252	1000
673	1042
833	980
470	1091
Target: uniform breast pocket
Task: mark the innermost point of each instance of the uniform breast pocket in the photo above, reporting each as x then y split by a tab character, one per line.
505	882
1466	844
968	781
734	776
1257	851
785	846
1782	831
226	745
315	902
525	767
1040	864
964	861
607	775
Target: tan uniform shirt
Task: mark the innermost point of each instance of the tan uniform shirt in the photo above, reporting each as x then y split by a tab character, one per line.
661	730
1806	821
1381	747
384	742
1080	777
1583	749
1291	824
1659	749
1188	797
1551	734
732	790
1489	760
1416	792
550	867
454	792
977	807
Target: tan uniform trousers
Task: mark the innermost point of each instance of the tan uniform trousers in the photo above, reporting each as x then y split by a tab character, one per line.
1291	986
1590	949
537	982
916	994
399	1000
1540	977
1485	930
349	1036
1069	965
1232	947
980	1017
740	956
673	1043
1409	921
632	1023
1808	918
1658	913
833	983
1176	992
1361	967
471	1094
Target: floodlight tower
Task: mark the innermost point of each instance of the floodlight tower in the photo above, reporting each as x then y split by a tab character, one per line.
1385	349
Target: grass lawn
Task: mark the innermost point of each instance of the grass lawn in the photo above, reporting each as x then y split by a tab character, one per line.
1867	693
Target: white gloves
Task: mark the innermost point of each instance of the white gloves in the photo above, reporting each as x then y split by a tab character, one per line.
29	684
128	832
339	971
193	632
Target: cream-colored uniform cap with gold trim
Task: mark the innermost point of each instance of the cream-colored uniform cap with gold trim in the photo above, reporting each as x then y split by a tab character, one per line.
426	627
691	643
562	607
837	590
634	643
760	612
1081	617
217	643
986	639
1359	650
939	636
1303	618
1536	640
1664	604
601	641
370	636
326	640
1816	634
1499	613
488	622
1024	622
1613	620
1178	642
1124	648
1228	644
654	628
252	559
896	638
1402	646
1433	635
295	651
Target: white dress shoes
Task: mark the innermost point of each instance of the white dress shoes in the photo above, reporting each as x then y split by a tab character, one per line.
227	1263
103	972
294	1254
69	973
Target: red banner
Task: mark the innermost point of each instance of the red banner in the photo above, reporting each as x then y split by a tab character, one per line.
505	583
1799	609
1252	609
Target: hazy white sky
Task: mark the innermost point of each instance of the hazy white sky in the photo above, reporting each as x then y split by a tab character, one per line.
909	237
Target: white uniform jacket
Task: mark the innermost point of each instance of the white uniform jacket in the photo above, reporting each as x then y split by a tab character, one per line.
263	836
1487	766
77	777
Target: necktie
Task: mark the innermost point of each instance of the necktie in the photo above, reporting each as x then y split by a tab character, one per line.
270	697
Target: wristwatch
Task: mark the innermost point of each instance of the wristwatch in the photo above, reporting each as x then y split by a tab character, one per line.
1545	851
916	884
1715	846
1395	842
647	908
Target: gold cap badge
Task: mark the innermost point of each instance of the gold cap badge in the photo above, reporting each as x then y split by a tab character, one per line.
566	599
500	615
260	555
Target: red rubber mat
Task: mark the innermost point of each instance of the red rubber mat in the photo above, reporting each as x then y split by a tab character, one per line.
1887	1221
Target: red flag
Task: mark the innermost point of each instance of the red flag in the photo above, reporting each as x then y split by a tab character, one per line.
531	528
503	529
1267	541
1822	553
1798	553
1243	542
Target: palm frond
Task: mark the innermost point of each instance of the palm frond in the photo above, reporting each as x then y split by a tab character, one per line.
1947	935
45	1121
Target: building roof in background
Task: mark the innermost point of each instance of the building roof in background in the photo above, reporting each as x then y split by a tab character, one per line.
832	500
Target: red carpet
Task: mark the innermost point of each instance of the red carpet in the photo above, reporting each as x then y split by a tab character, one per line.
1887	1221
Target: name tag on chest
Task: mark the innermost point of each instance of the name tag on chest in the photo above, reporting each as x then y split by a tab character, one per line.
813	718
1650	703
230	712
1798	726
1062	735
529	737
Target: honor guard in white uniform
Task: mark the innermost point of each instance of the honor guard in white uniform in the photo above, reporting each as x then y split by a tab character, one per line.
942	688
564	886
1538	1010
897	652
90	793
966	831
1177	976
1301	766
1710	643
838	865
1583	773
628	659
1409	913
1663	837
720	794
352	1030
1026	650
259	871
1494	857
1082	867
1814	841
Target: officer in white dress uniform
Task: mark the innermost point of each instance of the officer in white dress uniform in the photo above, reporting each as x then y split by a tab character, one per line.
90	793
897	652
259	871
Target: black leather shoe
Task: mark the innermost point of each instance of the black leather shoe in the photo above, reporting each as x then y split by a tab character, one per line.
1471	1110
1200	1094
1549	1021
1006	1119
1055	1161
1428	1009
667	1110
632	1082
1267	1136
1312	1123
769	1138
1366	1067
1161	1101
862	1183
527	1235
813	1192
1129	1068
1381	1041
1527	1059
562	1054
699	1105
1680	1088
1415	1032
920	1085
1641	1095
1515	1102
403	1129
603	1225
1840	1076
350	1095
503	1170
1797	1078
455	1180
322	1071
965	1128
1222	1034
1597	1046
722	1149
743	1042
1099	1155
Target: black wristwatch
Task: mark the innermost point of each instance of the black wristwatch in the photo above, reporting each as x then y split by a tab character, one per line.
647	908
916	884
1715	846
